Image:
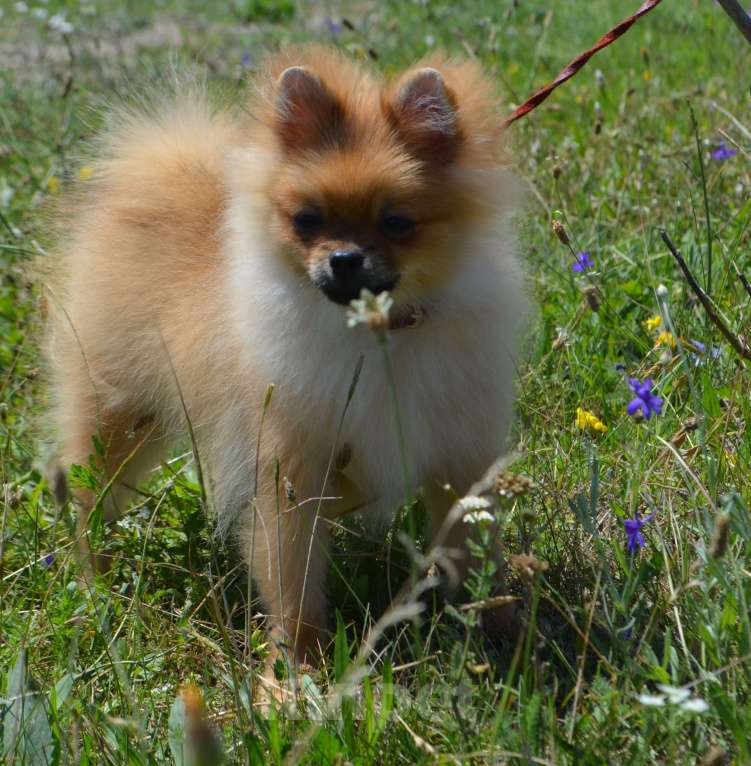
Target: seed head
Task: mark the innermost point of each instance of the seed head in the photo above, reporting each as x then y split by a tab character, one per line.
720	537
560	232
528	565
512	485
592	296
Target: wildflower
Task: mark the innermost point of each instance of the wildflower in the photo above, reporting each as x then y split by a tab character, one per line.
60	24
678	696
39	13
20	7
652	700
85	172
644	401
633	532
53	184
429	41
561	339
48	560
675	696
647	75
474	503
588	420
476	510
653	322
369	309
335	27
723	153
6	195
245	60
701	355
478	517
666	338
599	78
583	262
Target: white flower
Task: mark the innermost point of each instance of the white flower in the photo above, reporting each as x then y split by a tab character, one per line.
474	503
674	693
695	705
651	700
662	291
60	24
429	41
369	309
478	517
39	13
20	7
6	195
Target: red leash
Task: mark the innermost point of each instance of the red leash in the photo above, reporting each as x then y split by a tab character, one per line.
537	98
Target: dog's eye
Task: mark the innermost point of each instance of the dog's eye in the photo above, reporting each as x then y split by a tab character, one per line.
307	221
397	226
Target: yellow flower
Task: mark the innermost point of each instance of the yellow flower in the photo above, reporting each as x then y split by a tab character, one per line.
85	172
647	75
666	338
585	419
653	322
53	184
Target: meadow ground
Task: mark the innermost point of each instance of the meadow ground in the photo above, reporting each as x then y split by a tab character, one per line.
631	657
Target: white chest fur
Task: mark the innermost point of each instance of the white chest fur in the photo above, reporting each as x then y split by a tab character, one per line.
453	375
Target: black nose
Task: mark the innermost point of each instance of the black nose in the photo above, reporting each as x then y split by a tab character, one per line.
345	264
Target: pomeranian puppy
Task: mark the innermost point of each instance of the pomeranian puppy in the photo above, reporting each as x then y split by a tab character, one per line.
215	252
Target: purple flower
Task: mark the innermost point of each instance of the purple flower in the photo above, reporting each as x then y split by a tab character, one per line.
48	560
722	153
633	532
245	60
644	400
335	27
583	262
698	358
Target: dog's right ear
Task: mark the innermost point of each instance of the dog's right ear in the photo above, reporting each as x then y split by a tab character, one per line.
424	112
307	114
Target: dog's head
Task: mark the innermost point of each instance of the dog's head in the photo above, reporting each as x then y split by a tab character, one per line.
378	185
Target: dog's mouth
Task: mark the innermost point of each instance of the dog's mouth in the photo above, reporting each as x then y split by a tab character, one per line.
344	292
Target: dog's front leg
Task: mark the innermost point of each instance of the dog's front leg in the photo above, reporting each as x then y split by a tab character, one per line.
284	540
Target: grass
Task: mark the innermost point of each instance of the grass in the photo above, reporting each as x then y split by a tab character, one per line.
93	675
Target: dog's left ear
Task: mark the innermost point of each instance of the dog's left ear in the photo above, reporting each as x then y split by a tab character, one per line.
423	110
